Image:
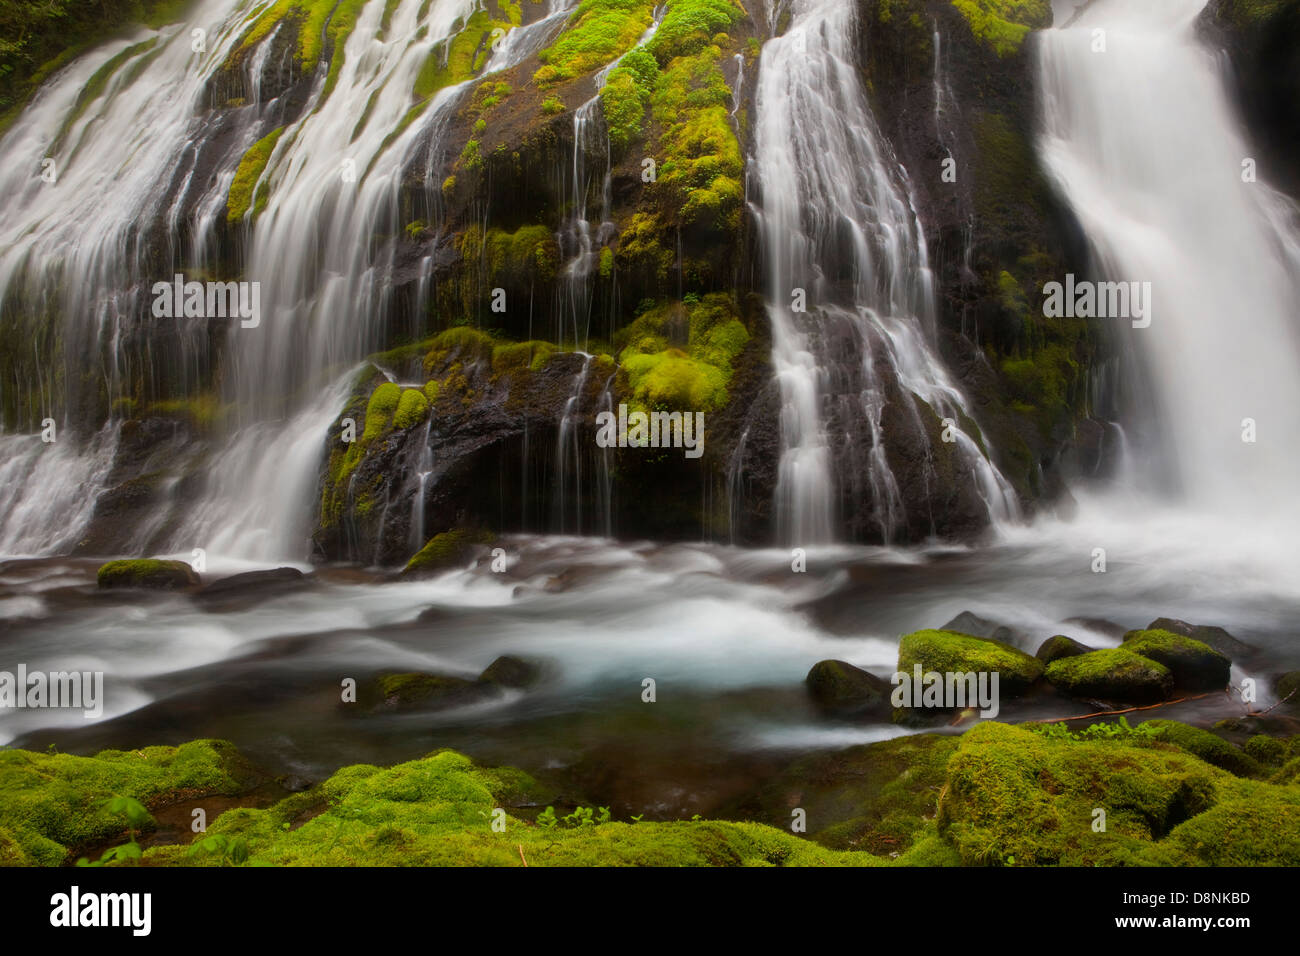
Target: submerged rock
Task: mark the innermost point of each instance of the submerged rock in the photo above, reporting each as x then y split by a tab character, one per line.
1055	648
1112	674
508	671
251	586
1193	665
147	573
839	688
426	690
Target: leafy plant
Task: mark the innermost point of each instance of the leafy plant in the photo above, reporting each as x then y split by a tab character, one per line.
136	817
230	851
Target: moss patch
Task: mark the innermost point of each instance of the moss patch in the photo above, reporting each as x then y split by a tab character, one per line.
950	652
249	171
146	573
1004	24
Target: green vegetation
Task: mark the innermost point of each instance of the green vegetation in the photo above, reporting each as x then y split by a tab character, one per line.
1194	665
626	95
596	34
1113	673
951	652
54	804
446	550
146	573
461	57
689	26
1003	24
247	175
411	409
664	375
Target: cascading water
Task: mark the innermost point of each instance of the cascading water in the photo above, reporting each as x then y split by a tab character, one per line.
1142	141
161	164
840	233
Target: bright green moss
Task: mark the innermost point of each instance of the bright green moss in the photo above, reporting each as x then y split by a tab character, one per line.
626	94
672	380
551	106
1266	750
1193	664
380	409
516	356
1003	24
1015	795
529	254
689	25
51	804
247	175
951	652
342	21
596	34
607	264
446	550
1111	673
411	409
145	572
460	57
1209	747
465	343
431	389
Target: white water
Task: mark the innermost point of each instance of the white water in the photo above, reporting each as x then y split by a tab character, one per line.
837	221
1143	142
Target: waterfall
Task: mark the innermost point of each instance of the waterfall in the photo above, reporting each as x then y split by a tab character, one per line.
1142	141
849	289
143	171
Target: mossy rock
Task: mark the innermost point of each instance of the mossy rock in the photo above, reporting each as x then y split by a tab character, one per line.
1266	750
839	688
147	573
1208	746
1112	674
398	691
1055	648
1287	687
951	652
509	671
1216	637
1194	666
53	803
444	551
1016	796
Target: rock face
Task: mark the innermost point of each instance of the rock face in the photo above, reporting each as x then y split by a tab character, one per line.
147	573
842	690
1113	674
1194	666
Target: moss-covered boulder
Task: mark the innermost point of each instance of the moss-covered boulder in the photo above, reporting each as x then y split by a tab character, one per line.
1112	674
951	652
1287	687
1217	637
146	573
443	551
1208	746
840	689
1059	646
1193	665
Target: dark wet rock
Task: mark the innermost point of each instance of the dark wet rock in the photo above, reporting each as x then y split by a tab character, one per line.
509	671
1287	687
1112	674
1215	637
147	573
434	613
451	549
968	623
1193	665
841	689
1059	646
238	590
425	691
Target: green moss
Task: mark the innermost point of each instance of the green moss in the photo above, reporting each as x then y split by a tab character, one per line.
249	171
551	106
1209	747
1003	24
411	688
626	95
951	652
460	57
445	550
596	34
1266	750
516	356
1015	795
146	573
1194	665
689	25
411	409
528	255
1113	672
380	410
464	343
51	804
607	265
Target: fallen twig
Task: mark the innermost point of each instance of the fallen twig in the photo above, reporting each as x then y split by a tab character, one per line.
1128	710
521	854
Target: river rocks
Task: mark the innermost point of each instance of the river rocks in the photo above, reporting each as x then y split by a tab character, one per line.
1194	666
1113	674
1287	687
951	652
240	590
976	626
147	573
839	688
1215	637
432	691
1055	648
444	551
508	671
